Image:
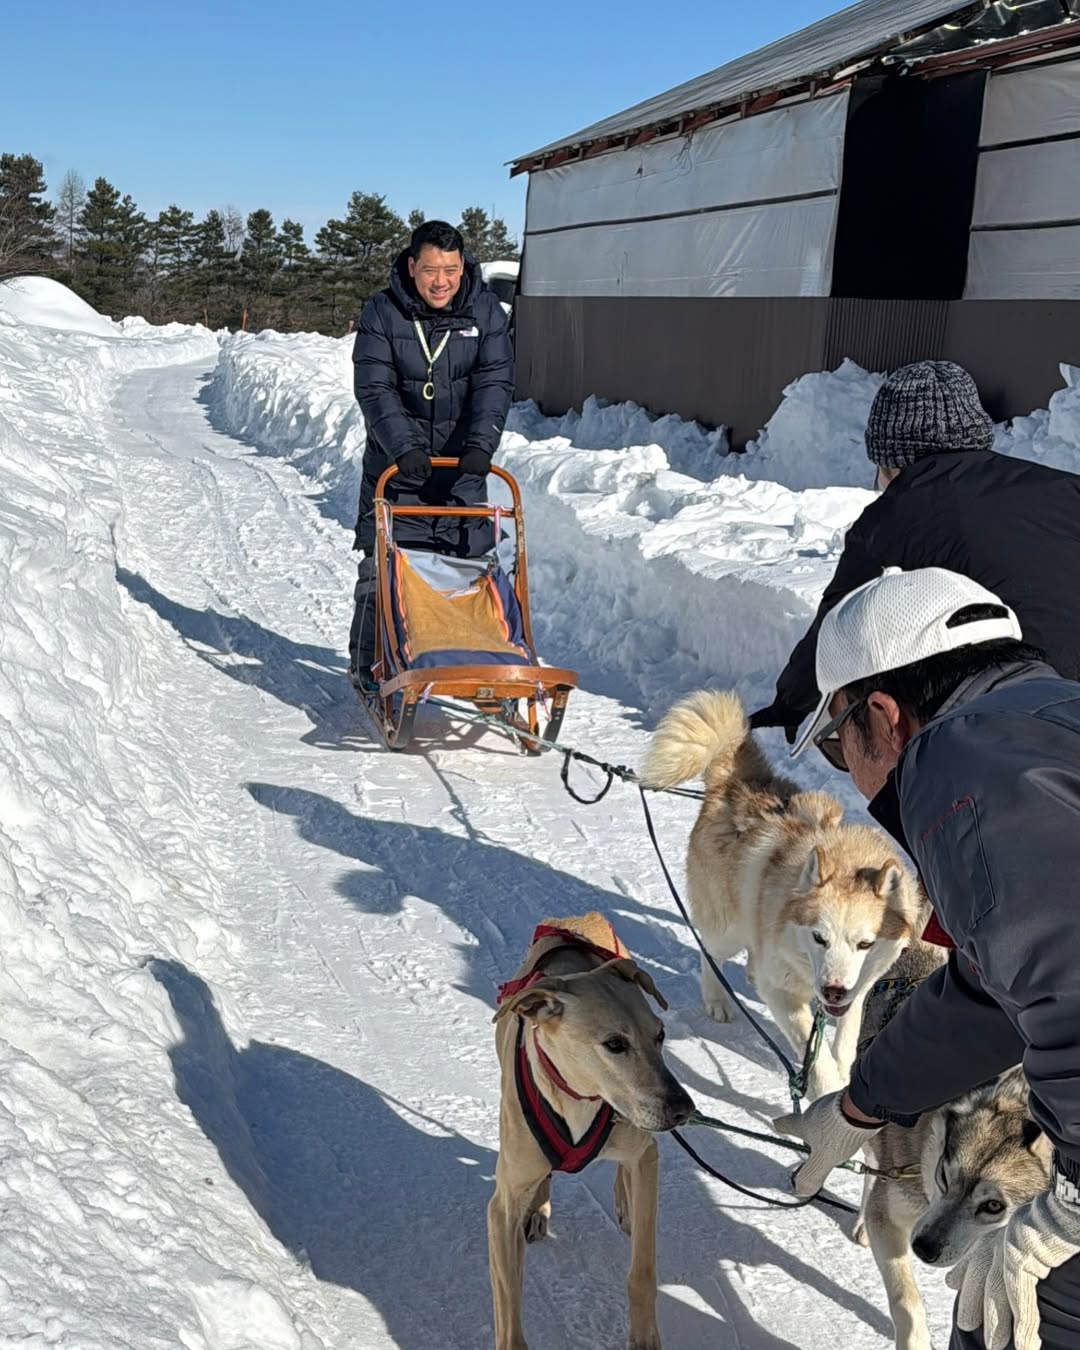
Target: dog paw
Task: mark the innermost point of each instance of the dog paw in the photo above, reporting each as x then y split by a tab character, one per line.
644	1342
859	1235
536	1226
720	1009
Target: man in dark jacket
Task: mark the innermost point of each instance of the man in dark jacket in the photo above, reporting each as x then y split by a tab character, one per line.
950	501
434	376
968	747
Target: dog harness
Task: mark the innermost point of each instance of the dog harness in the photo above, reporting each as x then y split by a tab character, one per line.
547	1126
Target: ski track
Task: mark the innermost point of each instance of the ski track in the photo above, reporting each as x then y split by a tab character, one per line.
372	901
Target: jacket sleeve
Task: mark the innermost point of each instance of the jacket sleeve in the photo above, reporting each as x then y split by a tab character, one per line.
796	689
949	1037
375	382
491	382
991	804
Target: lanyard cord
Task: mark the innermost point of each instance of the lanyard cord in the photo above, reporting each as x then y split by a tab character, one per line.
431	357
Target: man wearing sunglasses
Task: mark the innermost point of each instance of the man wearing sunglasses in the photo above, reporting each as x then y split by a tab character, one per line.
967	747
947	500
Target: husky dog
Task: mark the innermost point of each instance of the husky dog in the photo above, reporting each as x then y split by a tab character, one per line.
822	908
959	1171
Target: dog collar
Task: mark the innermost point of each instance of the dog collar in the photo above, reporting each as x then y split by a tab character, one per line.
547	1126
555	1076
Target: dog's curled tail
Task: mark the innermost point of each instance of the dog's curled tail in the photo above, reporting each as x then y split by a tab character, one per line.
701	734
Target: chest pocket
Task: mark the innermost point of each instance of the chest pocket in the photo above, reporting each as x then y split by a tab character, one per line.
953	865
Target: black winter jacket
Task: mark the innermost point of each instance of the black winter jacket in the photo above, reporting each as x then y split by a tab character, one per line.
473	382
989	809
1010	525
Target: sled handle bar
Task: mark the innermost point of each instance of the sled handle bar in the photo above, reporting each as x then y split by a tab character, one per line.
443	463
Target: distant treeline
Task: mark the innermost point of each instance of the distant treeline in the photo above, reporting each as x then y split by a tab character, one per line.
223	270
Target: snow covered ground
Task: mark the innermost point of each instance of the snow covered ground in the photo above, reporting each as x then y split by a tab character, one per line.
247	1089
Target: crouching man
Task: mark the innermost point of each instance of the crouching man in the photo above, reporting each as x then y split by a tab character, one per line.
967	747
434	376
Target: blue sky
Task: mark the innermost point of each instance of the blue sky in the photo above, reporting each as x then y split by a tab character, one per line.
294	105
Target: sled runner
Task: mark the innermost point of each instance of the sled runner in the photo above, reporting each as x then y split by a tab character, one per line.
458	628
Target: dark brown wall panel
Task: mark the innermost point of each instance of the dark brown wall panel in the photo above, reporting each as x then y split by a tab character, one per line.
714	360
884	334
727	361
1013	349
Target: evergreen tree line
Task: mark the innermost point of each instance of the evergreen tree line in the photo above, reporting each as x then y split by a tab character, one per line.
223	270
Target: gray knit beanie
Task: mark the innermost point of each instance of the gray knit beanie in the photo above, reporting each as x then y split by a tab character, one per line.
929	408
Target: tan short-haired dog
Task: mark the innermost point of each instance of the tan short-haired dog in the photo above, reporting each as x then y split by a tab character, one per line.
583	1077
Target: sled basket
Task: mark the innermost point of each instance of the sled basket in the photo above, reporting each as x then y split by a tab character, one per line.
458	627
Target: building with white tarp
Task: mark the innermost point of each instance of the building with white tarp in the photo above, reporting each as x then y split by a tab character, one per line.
896	182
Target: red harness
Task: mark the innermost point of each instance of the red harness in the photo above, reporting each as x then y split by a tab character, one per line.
548	1127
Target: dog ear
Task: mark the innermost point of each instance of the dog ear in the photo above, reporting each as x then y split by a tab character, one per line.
813	873
539	1002
1036	1141
627	969
889	883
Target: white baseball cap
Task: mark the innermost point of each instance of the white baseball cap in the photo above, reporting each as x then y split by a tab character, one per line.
893	621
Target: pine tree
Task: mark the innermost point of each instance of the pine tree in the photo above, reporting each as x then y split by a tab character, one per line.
416	219
115	237
132	234
291	247
295	257
176	233
500	243
486	239
170	251
331	274
99	253
69	205
213	268
475	228
374	235
261	252
26	236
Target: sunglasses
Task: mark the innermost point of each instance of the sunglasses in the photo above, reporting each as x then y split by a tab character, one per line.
827	739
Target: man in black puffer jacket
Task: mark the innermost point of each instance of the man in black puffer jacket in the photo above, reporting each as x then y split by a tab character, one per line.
434	376
950	501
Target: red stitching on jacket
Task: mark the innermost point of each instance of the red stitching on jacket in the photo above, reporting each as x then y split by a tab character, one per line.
956	806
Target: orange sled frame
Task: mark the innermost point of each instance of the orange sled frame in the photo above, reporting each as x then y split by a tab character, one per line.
495	689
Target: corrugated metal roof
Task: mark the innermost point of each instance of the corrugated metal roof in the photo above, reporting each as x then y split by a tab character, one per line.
828	46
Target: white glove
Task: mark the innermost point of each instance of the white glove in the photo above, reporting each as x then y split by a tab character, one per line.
833	1139
996	1280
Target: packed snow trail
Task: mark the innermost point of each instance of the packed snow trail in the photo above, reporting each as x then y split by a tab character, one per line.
372	901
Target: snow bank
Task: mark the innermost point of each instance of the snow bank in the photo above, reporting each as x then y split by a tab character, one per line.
291	395
1050	435
689	447
48	304
100	868
815	437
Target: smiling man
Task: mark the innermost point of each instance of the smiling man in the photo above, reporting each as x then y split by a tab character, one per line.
433	370
968	747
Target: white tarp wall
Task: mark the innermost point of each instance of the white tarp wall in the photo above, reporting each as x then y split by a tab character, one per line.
1025	226
746	208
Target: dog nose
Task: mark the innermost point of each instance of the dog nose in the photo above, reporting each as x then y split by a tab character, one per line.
679	1107
925	1249
834	993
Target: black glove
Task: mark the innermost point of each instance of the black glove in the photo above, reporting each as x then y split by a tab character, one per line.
414	464
772	716
474	460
